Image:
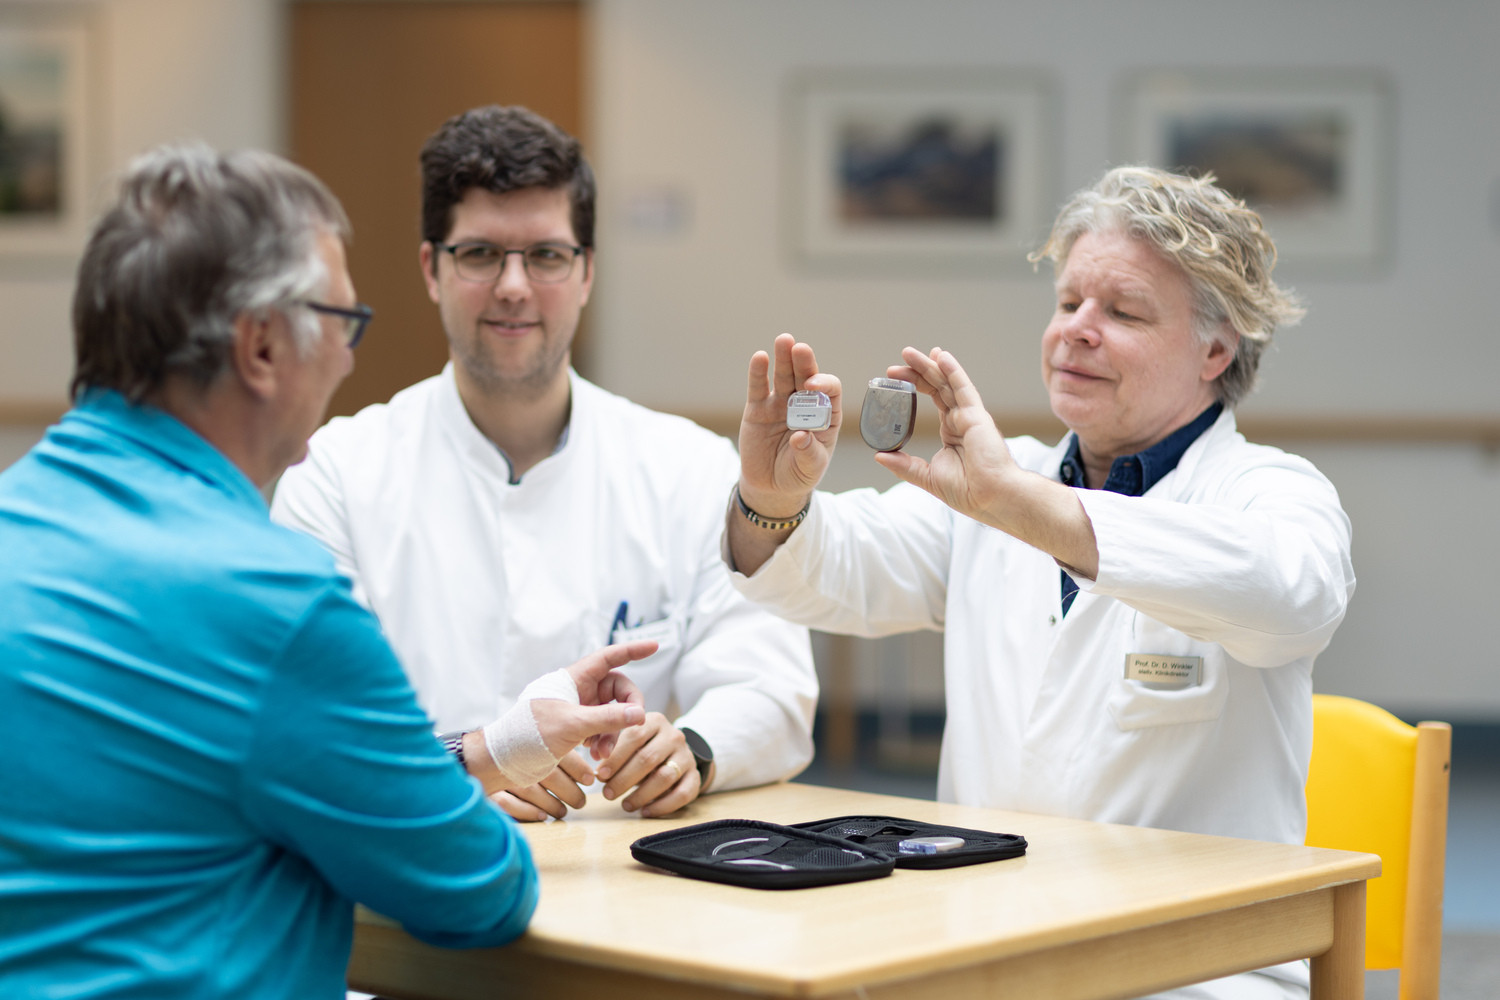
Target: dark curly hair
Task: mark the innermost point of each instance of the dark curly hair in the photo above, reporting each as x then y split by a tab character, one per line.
500	149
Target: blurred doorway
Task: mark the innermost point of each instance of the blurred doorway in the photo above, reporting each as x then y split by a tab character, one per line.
369	82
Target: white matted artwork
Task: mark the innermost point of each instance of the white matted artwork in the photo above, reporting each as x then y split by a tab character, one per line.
45	152
1310	151
941	172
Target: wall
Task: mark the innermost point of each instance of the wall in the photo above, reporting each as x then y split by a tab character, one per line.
690	135
161	70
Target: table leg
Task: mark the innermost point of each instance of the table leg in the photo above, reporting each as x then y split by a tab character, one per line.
1339	973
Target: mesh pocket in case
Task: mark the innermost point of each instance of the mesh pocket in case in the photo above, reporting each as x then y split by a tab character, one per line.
885	834
760	855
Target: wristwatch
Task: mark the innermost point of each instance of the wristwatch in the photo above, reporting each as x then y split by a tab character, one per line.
703	755
454	744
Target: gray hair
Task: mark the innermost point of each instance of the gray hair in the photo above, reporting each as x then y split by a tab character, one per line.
194	239
1214	238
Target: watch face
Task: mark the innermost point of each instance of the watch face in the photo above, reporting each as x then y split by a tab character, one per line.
698	746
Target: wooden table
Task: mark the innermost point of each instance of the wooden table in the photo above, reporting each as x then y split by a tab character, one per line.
1092	911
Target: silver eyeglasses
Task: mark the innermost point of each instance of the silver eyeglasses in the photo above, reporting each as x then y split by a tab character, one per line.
545	263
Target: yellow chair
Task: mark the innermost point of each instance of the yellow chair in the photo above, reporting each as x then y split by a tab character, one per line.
1380	786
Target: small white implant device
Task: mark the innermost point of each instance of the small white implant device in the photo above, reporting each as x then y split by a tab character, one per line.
808	410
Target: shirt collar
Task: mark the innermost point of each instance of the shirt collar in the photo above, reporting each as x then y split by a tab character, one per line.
1134	475
562	439
473	440
154	430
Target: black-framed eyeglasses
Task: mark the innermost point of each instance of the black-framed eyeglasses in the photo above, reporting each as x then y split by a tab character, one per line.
545	263
356	318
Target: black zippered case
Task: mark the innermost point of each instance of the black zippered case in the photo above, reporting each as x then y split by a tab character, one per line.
761	855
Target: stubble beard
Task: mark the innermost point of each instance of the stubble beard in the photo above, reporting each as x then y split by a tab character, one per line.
493	380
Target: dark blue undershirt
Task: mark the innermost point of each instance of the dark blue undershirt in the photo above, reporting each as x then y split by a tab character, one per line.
1133	475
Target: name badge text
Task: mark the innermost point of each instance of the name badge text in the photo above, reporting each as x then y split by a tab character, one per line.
1158	670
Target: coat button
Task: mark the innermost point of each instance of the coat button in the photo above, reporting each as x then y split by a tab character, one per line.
1051	619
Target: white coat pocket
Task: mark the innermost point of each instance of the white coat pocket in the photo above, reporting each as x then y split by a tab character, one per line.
654	673
1137	704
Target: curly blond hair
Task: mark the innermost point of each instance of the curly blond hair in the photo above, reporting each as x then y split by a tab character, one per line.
1218	242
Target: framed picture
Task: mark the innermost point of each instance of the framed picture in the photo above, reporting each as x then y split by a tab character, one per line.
1311	152
948	173
45	151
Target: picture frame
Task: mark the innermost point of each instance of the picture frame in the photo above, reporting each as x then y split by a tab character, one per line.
937	172
46	125
1310	151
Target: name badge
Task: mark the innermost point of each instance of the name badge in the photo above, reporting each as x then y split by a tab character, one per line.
1158	670
662	631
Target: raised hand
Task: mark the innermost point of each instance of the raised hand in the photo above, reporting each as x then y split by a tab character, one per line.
975	474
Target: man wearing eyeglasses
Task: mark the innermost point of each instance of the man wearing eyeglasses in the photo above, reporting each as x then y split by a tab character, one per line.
210	750
506	513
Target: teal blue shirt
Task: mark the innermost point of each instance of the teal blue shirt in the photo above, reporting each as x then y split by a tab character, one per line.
208	752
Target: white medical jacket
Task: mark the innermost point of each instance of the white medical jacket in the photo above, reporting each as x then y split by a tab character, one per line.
482	585
1239	556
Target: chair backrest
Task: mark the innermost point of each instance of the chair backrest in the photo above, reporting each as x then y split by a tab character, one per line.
1380	786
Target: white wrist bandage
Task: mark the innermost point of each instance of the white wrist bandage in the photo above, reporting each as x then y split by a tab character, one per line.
514	740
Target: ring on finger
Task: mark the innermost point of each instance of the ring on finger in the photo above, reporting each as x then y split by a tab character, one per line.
676	769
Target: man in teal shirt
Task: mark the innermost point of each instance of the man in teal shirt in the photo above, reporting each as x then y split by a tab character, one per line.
210	750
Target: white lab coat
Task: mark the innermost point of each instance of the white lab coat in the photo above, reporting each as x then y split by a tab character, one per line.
482	585
1239	556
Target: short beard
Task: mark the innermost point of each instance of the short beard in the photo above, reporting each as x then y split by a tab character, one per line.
532	385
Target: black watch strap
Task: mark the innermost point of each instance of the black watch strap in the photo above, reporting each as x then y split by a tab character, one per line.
454	744
703	754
